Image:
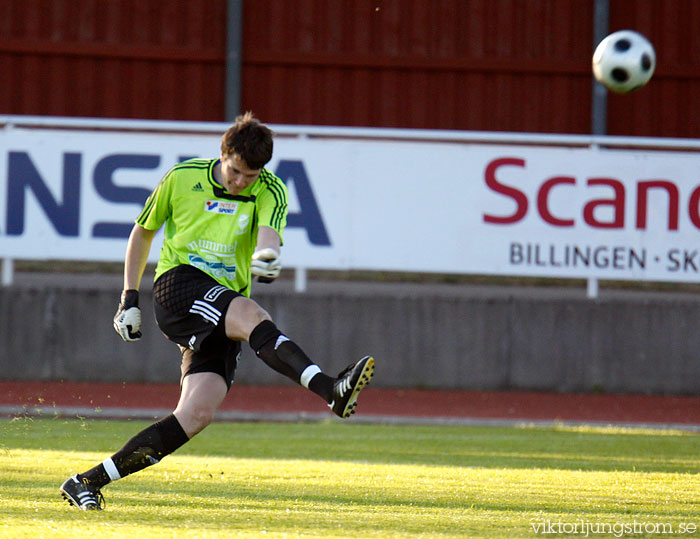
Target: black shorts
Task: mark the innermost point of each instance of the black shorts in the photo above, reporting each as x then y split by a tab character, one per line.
190	308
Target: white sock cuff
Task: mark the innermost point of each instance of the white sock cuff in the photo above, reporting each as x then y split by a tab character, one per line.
111	469
308	374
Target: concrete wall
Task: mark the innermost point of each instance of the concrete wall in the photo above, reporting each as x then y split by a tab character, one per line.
441	336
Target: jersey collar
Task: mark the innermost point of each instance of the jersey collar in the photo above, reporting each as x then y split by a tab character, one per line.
219	191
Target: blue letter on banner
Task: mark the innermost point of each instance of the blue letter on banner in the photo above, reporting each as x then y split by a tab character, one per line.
109	191
309	217
22	175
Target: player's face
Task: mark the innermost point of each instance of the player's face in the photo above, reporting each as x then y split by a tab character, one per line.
235	174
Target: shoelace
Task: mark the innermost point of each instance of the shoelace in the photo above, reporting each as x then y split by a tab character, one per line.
100	499
96	494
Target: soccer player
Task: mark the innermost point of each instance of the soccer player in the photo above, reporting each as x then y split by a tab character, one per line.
224	220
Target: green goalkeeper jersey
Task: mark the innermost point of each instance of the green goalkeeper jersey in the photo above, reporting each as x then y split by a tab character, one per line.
208	228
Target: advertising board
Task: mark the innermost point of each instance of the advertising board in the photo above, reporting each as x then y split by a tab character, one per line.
379	203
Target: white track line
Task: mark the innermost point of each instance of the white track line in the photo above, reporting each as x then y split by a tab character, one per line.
312	417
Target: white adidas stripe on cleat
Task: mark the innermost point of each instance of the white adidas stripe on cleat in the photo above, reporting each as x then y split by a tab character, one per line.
349	384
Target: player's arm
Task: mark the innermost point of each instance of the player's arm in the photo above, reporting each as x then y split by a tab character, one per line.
266	263
155	212
127	321
136	257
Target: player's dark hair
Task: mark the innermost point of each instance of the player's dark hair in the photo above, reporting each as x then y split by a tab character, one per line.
250	139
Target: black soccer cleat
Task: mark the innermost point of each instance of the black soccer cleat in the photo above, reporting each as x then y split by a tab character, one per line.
82	495
348	386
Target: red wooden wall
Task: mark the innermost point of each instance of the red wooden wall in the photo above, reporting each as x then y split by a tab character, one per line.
482	64
669	106
504	65
113	58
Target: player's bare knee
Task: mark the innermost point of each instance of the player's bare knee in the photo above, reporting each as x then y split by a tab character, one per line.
203	417
195	419
242	316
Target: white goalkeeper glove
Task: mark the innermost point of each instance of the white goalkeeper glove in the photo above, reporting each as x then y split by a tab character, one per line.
266	264
127	321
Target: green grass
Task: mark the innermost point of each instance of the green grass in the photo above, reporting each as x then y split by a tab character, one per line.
345	480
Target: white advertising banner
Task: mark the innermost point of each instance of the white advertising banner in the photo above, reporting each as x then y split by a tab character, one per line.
358	203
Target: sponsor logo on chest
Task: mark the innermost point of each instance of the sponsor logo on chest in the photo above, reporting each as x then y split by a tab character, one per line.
220	207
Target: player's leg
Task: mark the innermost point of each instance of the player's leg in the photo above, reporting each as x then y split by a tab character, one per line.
205	382
208	365
145	449
202	394
246	320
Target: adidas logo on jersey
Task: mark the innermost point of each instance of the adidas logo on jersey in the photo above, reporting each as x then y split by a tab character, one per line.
198	188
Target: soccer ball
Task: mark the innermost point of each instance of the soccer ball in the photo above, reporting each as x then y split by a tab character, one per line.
624	61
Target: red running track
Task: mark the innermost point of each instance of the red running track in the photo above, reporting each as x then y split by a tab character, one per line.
401	403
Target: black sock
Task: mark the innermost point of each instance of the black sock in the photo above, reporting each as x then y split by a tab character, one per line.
148	447
285	356
322	385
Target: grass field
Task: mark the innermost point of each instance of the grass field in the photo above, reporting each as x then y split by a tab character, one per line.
343	480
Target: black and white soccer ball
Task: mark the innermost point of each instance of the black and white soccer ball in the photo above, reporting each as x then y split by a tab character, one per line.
624	61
